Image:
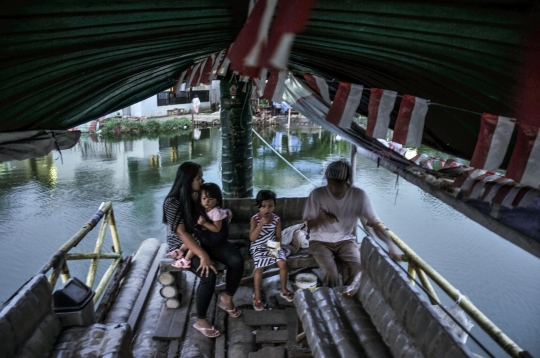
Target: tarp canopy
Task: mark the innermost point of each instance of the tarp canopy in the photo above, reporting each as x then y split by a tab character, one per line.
64	63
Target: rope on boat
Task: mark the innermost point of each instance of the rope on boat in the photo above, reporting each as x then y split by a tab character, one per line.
285	160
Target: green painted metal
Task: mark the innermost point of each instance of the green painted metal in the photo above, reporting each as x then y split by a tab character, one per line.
237	154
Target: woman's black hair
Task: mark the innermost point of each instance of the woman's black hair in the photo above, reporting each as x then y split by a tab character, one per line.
181	190
213	191
263	195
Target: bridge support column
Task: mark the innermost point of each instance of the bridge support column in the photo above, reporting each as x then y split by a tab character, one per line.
237	153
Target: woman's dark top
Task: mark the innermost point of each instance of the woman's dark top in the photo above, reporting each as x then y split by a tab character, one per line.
175	217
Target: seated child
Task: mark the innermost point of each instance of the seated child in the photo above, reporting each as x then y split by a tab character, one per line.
265	226
211	230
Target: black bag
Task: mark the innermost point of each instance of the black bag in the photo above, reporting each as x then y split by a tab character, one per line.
209	238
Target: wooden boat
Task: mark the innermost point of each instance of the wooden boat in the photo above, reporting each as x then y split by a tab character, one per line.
147	309
116	53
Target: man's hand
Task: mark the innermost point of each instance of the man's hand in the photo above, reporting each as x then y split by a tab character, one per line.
327	216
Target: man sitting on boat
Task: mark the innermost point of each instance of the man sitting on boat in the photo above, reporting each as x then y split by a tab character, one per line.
332	213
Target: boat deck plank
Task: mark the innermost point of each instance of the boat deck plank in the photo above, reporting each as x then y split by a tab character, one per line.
268	352
279	336
264	318
172	322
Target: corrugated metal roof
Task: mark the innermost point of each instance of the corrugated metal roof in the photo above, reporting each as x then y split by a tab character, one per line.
64	63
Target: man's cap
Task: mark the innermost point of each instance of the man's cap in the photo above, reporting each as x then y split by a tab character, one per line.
338	170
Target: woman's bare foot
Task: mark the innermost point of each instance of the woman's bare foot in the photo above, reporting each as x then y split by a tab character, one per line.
203	323
227	301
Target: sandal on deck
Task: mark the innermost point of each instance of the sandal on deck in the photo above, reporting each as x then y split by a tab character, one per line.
175	254
258	305
208	332
234	313
182	263
289	296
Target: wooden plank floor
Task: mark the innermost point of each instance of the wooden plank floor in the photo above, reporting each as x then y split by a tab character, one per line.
172	322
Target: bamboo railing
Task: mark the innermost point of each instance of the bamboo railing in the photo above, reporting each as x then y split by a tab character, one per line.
58	262
416	265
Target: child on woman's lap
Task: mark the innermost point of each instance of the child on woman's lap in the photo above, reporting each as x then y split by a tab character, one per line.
211	200
265	226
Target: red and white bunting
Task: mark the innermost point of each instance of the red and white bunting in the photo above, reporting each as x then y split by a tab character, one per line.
524	165
478	188
198	76
275	86
260	83
381	103
492	188
178	86
247	48
220	56
207	69
303	99
345	103
493	140
410	121
470	179
224	67
458	182
525	196
291	18
192	74
319	85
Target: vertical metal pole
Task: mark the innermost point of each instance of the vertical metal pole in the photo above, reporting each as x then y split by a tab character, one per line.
353	178
353	163
289	120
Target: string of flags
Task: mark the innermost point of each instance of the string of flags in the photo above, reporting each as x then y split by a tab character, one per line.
263	46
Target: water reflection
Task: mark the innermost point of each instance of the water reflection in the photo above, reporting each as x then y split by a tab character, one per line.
44	202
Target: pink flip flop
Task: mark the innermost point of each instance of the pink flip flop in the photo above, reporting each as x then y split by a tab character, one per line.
175	254
182	263
289	296
207	332
234	313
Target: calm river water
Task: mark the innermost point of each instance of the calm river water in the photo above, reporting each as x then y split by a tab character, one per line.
44	202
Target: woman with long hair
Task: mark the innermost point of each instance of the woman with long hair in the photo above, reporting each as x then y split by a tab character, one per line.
181	211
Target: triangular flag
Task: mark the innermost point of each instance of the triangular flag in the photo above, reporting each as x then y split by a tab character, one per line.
217	62
275	86
345	103
178	86
291	18
524	165
207	69
493	140
247	47
410	121
381	104
319	85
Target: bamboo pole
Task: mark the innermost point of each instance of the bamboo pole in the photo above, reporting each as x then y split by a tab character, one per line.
97	251
487	325
79	235
92	255
411	269
105	279
114	232
434	299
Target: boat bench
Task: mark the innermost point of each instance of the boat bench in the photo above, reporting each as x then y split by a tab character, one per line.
30	328
290	210
404	320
